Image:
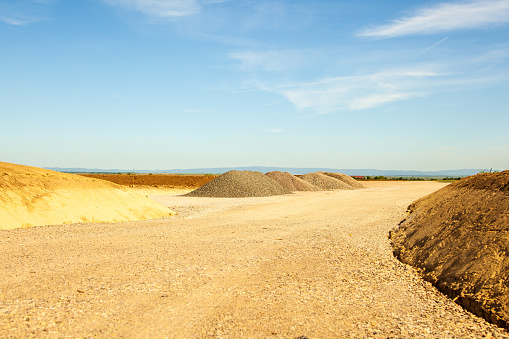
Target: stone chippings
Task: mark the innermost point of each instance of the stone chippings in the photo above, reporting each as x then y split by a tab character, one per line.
345	178
291	182
326	182
239	184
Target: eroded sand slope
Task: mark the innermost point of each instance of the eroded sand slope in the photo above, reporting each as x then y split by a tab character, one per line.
31	196
459	238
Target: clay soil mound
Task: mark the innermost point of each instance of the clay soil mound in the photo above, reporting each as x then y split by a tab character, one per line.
291	182
459	238
155	180
31	196
346	179
325	182
239	184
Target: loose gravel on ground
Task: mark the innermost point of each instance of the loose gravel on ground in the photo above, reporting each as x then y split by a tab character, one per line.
308	265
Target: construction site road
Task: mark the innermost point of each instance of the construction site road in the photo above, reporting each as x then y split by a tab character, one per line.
302	265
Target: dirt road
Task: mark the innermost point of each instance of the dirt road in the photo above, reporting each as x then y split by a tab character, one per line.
305	265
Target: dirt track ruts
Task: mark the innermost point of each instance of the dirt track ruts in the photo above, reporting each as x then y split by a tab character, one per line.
311	264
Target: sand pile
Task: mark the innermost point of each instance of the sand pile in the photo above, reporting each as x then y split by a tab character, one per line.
31	196
291	182
239	184
325	182
459	238
346	179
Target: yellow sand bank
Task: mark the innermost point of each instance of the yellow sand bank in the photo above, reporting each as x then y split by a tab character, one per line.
31	196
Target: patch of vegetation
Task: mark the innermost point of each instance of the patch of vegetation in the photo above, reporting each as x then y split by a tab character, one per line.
491	170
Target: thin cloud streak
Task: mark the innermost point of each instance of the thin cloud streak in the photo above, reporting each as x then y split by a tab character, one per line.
22	13
369	91
160	8
433	46
18	22
356	92
446	17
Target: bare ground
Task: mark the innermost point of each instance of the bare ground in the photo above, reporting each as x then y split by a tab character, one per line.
308	265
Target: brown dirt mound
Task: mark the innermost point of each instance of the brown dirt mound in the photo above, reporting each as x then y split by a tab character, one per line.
325	182
291	182
346	179
459	238
31	196
155	180
239	184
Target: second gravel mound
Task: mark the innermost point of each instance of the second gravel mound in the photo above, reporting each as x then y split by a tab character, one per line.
291	182
326	182
345	178
240	184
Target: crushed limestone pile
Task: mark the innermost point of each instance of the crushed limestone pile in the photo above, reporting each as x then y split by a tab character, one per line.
291	182
458	237
346	179
31	196
325	182
240	184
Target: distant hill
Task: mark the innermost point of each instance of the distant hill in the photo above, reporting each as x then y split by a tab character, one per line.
293	170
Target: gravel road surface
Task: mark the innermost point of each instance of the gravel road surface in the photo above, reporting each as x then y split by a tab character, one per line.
303	265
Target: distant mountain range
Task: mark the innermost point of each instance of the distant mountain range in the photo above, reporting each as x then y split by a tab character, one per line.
293	170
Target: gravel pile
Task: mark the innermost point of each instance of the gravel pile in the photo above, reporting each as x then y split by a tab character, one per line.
326	182
291	182
345	178
239	184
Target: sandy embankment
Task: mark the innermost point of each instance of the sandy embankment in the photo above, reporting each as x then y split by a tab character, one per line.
31	196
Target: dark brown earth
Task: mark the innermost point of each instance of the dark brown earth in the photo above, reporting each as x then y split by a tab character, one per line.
459	238
156	180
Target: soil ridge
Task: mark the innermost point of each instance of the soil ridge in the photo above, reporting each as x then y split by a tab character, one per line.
458	237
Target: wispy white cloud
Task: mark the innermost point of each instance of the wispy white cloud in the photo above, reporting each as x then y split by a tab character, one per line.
18	21
446	17
387	80
160	8
23	12
356	92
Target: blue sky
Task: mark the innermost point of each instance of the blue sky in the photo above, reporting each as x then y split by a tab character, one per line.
155	84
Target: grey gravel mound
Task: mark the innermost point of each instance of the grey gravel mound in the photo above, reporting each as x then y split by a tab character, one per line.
291	182
345	178
240	184
326	182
